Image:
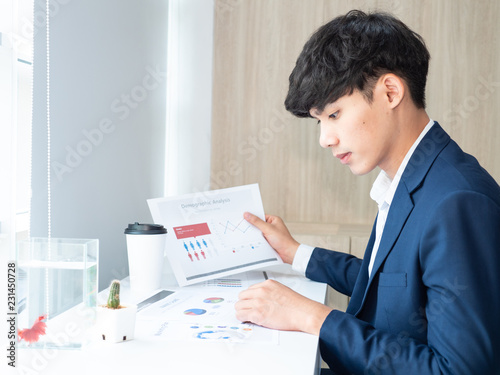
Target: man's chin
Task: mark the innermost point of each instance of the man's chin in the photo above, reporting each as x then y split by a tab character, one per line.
360	171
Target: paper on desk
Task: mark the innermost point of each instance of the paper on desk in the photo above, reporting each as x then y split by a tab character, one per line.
202	312
207	236
209	301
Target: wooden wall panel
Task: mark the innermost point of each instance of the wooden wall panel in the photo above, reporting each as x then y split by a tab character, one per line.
255	140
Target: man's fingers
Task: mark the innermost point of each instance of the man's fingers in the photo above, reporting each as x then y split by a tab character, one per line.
273	219
261	224
242	310
255	220
250	292
245	306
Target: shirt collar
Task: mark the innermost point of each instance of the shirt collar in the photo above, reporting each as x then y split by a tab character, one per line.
384	188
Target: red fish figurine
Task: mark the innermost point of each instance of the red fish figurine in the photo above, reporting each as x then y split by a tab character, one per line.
33	334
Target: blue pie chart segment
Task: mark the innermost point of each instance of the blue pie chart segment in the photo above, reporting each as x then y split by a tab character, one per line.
195	312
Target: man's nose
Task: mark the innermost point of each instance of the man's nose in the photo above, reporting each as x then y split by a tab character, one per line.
327	137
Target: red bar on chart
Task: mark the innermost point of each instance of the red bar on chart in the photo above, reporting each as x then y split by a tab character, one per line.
194	230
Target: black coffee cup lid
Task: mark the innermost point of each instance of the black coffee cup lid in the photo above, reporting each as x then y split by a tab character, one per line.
137	228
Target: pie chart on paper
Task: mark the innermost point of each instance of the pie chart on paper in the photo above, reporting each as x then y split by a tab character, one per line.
195	312
213	300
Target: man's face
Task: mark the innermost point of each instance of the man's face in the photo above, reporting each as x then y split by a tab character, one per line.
359	134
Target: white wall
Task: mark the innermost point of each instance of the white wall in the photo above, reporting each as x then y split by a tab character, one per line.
189	96
108	98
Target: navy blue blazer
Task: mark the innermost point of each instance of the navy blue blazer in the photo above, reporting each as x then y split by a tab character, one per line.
432	303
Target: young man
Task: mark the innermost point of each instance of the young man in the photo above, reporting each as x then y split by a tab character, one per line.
426	297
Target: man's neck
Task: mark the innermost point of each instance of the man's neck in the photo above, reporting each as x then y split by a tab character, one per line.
410	128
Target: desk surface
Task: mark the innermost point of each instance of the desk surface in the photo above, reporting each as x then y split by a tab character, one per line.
296	353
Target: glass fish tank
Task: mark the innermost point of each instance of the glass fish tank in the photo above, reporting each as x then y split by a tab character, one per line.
56	292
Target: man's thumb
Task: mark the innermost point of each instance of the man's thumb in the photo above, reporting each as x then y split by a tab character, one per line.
254	220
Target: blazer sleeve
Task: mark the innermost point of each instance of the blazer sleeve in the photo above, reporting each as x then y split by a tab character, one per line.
339	270
459	254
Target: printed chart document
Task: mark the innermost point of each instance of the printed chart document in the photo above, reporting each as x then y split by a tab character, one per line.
208	238
204	312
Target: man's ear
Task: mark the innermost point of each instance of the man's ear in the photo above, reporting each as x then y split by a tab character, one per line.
393	89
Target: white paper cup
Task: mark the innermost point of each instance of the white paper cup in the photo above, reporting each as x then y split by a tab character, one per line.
145	249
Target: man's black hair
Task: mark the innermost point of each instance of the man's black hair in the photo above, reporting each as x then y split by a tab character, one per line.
350	53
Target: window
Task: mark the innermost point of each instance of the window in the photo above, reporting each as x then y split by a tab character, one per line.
16	70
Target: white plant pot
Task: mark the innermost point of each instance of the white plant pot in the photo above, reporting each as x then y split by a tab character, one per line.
115	325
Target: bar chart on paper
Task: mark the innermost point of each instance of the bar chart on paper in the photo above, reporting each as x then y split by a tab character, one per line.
218	245
208	236
218	238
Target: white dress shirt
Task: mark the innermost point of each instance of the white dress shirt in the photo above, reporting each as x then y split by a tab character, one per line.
382	192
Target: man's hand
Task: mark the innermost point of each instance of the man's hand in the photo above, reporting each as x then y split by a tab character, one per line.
277	234
273	305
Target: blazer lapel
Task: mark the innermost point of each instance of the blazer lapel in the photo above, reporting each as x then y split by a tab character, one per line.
362	280
399	211
398	214
401	207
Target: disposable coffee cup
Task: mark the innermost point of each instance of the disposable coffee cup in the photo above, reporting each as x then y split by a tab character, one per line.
145	249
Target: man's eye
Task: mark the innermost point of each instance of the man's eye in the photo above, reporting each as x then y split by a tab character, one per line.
334	115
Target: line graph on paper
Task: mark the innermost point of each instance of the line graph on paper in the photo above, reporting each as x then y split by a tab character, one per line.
229	227
236	234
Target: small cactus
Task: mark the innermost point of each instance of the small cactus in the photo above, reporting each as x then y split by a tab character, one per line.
114	295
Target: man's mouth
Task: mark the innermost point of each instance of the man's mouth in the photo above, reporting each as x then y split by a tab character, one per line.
344	158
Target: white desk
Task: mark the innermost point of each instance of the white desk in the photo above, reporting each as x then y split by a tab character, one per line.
296	353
